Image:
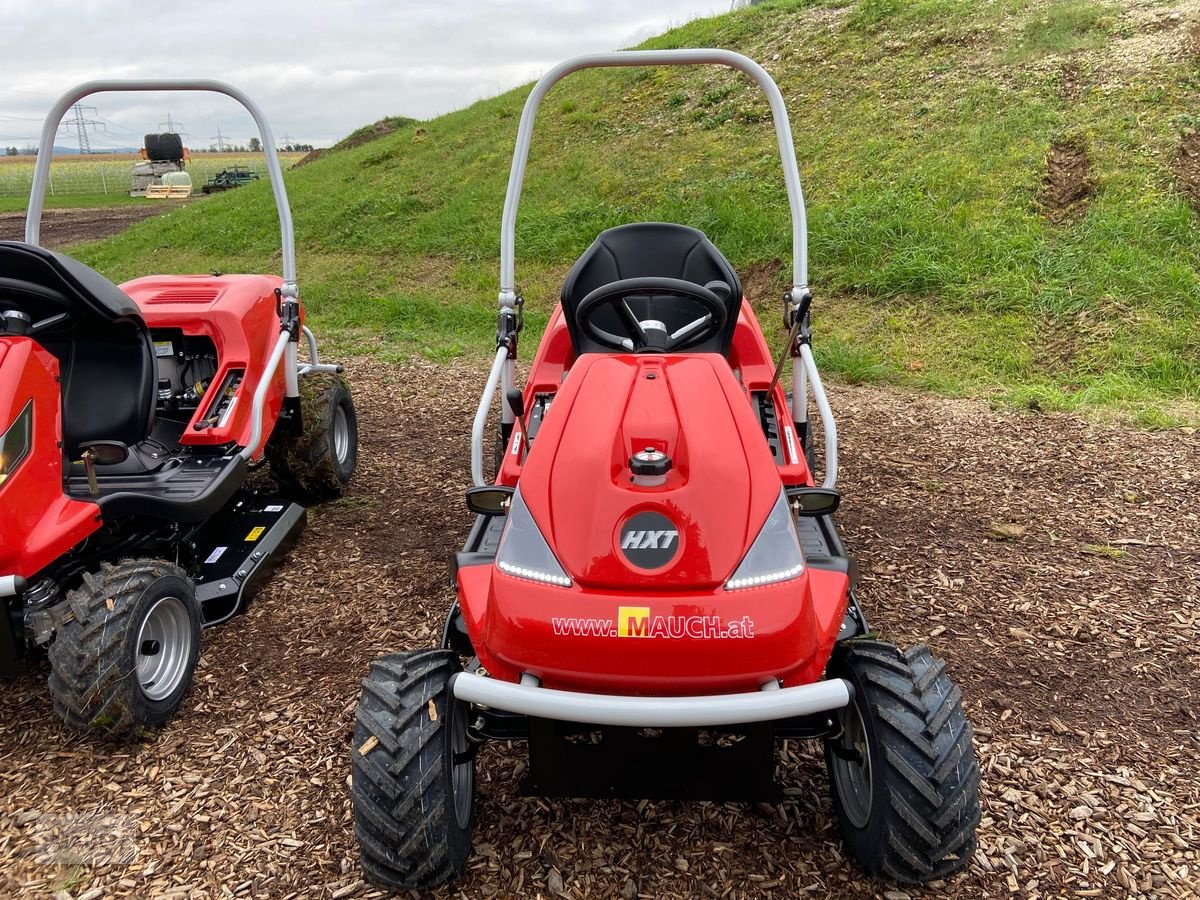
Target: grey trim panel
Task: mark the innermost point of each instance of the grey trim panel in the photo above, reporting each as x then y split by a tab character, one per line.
652	712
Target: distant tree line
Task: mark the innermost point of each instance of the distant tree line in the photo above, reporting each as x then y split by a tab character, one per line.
255	146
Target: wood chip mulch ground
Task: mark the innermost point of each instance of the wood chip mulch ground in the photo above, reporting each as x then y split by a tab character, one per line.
1053	562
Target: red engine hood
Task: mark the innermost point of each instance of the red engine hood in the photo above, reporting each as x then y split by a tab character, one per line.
578	485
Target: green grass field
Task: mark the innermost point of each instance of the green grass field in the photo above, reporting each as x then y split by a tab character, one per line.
70	201
922	129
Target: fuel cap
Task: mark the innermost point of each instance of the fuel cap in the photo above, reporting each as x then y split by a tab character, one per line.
649	467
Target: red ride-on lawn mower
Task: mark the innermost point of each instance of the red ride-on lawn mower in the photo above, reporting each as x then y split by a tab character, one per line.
654	591
130	418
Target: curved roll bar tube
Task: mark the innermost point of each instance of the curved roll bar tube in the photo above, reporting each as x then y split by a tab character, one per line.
41	172
783	135
285	348
502	369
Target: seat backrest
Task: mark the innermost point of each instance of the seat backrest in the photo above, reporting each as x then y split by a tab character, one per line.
645	249
105	354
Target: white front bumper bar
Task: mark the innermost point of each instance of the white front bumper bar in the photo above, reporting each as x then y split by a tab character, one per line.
652	712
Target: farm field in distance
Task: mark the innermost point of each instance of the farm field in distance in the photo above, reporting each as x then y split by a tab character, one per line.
86	180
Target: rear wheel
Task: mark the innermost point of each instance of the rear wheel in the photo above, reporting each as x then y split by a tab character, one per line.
316	465
903	772
413	781
125	659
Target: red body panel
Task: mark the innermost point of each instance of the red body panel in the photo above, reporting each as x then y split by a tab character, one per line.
674	630
576	480
40	523
237	312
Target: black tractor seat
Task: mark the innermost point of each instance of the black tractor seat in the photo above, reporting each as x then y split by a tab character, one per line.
106	358
650	249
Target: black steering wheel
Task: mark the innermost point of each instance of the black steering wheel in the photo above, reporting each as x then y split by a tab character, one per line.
651	335
13	324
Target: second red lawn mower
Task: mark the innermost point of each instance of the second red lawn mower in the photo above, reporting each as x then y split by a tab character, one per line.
654	591
130	418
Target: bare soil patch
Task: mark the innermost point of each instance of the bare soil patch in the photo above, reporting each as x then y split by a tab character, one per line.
1068	183
764	285
63	227
374	132
1071	81
1051	561
310	157
1187	167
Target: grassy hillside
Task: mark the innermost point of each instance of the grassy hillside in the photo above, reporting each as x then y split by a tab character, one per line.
940	255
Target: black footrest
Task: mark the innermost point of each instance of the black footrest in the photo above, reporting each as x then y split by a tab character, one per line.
239	548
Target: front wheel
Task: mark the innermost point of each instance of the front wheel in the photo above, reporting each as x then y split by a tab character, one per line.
413	780
125	657
903	772
317	464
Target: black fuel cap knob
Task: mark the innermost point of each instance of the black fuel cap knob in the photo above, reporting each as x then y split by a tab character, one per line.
650	463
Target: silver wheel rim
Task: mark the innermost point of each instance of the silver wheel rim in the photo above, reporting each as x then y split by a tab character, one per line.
462	774
341	435
853	779
164	648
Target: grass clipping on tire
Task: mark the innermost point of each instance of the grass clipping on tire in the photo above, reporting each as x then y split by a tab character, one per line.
303	464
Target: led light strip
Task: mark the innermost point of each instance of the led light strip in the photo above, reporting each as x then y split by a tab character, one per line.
533	574
734	584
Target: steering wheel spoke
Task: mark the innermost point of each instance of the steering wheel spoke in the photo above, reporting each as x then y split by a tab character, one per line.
680	336
615	296
637	333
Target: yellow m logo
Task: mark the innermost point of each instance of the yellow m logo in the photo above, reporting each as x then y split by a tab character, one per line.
633	621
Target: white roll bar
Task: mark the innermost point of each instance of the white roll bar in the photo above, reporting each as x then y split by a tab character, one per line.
284	348
260	397
481	415
827	420
783	134
41	172
805	373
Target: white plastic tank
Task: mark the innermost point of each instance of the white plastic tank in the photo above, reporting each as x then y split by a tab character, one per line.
177	179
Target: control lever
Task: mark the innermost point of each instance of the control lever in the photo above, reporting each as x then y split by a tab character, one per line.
516	402
89	465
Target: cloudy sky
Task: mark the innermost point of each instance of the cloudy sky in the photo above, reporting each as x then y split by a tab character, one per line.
319	70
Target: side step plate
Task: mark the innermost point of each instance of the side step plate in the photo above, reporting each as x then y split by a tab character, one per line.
238	549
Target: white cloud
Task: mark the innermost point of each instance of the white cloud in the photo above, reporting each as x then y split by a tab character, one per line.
318	70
